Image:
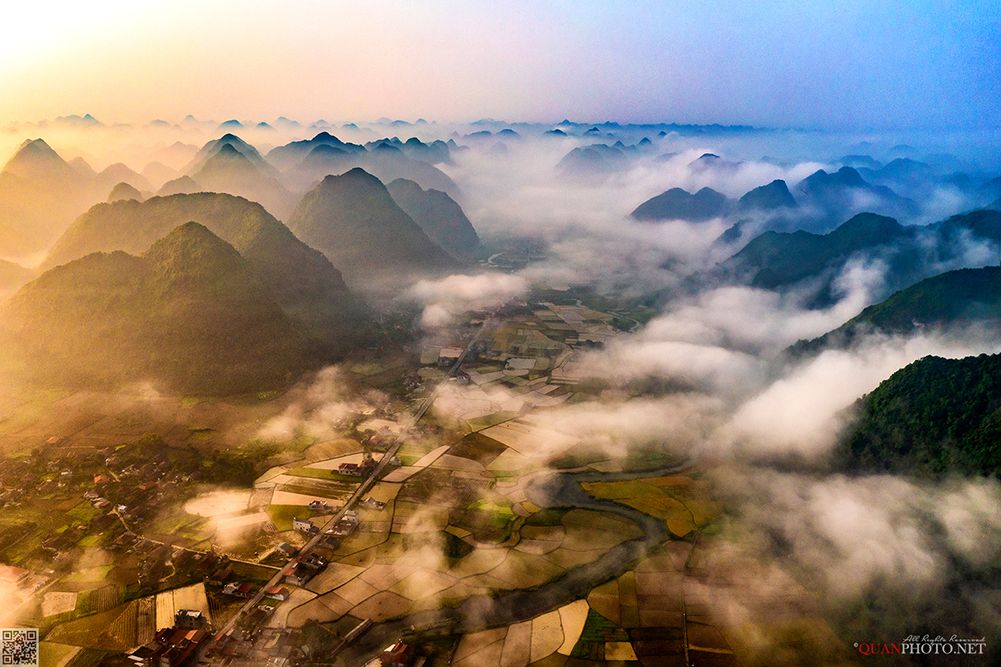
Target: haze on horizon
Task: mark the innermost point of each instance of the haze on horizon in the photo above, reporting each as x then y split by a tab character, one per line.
902	65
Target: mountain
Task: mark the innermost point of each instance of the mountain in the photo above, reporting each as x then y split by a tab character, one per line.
120	173
595	162
308	161
158	173
441	218
289	155
934	417
35	159
964	298
180	186
191	312
12	276
769	197
679	204
40	193
230	169
124	191
301	279
354	221
807	261
235	143
832	196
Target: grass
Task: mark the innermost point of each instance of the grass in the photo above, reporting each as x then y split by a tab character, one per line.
281	515
546	517
681	502
322	473
88	574
83	513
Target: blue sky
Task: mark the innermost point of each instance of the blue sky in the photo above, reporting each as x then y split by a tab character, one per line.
853	65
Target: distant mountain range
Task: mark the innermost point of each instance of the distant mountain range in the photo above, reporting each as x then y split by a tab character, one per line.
353	220
819	200
308	161
190	312
934	417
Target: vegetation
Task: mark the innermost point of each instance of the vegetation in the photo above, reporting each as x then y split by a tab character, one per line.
191	312
966	296
933	417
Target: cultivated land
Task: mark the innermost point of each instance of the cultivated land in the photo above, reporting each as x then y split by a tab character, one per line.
165	503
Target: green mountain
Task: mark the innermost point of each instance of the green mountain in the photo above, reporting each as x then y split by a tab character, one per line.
934	417
191	312
354	221
441	218
966	297
301	279
769	197
678	204
779	260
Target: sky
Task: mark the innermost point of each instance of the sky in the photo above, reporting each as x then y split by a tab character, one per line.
917	64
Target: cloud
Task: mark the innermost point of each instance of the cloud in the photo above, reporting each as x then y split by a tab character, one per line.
447	298
800	414
318	406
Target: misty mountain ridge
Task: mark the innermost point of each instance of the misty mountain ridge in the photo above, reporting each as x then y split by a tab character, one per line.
439	216
300	278
353	219
908	253
191	312
40	194
964	299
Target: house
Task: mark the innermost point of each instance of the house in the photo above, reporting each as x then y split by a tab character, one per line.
286	550
315	562
190	618
351	469
239	590
182	647
397	654
519	364
372	504
278	592
298	574
304	526
171	647
447	356
318	505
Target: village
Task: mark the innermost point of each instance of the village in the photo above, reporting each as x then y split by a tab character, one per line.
169	557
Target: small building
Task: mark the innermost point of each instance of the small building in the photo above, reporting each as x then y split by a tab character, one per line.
304	526
190	619
278	592
447	356
238	589
397	654
350	469
519	364
318	505
286	550
372	504
298	574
